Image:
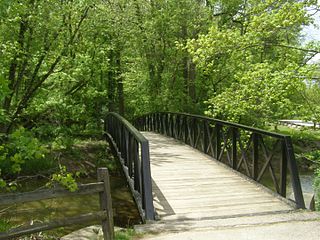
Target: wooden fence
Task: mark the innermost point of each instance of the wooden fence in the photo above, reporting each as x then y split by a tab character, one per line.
105	215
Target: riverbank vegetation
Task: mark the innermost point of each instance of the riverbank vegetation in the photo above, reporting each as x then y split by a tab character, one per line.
65	64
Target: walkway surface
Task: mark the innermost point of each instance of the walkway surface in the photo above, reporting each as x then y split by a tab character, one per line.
197	197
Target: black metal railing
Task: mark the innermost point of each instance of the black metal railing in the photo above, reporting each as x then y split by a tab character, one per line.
132	149
263	156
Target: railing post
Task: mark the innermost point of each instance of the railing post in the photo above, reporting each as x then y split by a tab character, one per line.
217	141
283	170
234	147
126	153
171	125
205	136
106	204
160	122
296	185
147	197
176	126
131	156
142	124
194	131
255	156
156	122
150	122
165	124
186	133
137	168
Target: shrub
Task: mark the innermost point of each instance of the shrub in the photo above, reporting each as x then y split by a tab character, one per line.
22	152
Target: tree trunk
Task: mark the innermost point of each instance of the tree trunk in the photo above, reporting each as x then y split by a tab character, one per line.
119	84
111	84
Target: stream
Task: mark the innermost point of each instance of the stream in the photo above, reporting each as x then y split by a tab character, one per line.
306	179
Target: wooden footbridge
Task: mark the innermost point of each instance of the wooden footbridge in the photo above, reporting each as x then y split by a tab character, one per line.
186	168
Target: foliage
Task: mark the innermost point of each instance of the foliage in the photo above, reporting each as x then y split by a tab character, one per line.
65	179
311	96
24	152
255	64
314	156
306	134
5	225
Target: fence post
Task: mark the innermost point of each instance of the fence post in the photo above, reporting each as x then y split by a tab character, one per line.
106	204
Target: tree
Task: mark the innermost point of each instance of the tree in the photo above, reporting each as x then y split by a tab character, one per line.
254	61
36	41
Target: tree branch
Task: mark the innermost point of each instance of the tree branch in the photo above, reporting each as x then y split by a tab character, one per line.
25	100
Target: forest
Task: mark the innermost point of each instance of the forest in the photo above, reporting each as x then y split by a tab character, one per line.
64	64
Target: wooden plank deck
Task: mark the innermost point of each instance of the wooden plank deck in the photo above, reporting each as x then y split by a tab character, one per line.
189	185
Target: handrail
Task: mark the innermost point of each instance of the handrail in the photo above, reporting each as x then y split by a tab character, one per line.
132	149
251	151
271	134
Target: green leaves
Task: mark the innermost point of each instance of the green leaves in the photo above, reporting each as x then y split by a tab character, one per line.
20	151
256	63
65	179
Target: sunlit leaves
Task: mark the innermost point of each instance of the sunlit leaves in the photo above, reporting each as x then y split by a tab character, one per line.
256	65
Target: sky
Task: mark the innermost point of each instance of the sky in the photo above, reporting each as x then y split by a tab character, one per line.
312	33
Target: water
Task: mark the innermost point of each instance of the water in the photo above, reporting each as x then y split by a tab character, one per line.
306	179
125	211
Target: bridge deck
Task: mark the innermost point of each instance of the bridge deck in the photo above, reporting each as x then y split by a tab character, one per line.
189	185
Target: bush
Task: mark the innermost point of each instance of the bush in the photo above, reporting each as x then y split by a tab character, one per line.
22	153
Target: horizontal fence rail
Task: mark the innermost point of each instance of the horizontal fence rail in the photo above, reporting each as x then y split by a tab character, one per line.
132	149
263	156
105	215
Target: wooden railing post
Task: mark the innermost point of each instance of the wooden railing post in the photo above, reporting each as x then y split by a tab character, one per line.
106	204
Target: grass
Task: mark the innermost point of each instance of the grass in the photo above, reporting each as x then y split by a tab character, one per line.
298	133
5	225
304	139
127	234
